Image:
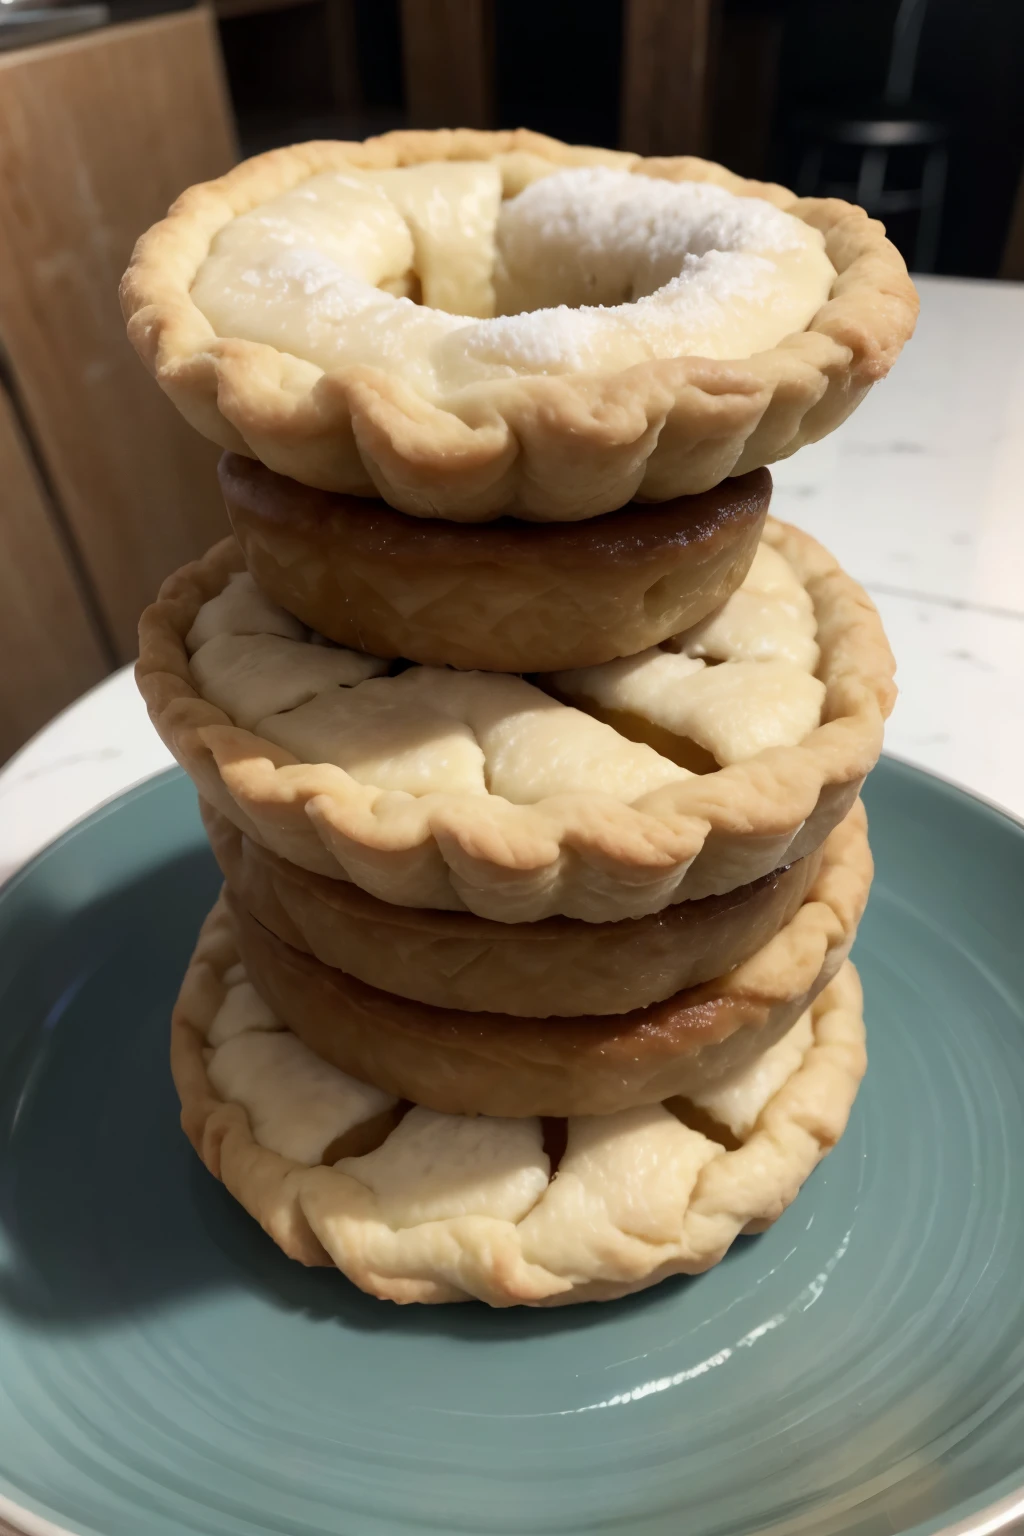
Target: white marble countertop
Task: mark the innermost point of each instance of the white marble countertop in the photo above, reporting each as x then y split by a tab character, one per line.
920	495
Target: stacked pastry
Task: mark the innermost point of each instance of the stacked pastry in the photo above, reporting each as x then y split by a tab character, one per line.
528	744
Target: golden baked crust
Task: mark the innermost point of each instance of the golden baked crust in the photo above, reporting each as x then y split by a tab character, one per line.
457	960
559	447
448	1209
460	1062
584	855
504	597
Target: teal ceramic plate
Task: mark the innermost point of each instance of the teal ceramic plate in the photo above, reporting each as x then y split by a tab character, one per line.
164	1371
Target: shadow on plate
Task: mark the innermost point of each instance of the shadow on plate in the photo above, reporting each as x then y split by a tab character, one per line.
104	1208
323	1294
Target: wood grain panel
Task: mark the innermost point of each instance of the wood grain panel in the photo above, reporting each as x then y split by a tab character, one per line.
664	76
448	63
744	91
1012	265
343	55
52	651
98	134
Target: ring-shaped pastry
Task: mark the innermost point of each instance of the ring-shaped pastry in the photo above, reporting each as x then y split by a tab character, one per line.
276	307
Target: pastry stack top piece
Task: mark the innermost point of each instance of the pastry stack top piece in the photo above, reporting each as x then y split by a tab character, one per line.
529	745
278	309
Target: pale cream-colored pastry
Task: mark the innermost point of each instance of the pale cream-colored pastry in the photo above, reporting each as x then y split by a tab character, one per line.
446	1208
472	324
587	270
736	1102
463	1062
767	695
771	619
457	960
297	1103
505	596
477	791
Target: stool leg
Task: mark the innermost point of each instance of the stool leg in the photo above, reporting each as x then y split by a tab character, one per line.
342	58
808	176
871	180
929	225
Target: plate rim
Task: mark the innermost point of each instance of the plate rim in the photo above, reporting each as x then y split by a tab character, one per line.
99	812
1017	819
175	771
22	1522
999	1515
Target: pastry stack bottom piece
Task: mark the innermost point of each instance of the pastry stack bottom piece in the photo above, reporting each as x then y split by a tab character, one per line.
543	856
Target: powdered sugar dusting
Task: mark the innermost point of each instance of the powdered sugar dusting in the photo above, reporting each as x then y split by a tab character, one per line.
594	270
623	236
688	307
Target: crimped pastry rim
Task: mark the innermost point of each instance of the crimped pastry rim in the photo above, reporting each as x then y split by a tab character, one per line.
557	967
298	1206
436	922
666	851
461	1061
549	447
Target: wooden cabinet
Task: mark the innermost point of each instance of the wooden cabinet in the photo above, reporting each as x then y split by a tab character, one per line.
51	642
104	487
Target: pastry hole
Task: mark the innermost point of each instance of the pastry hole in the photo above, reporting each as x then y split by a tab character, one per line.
697	1119
628	294
408	286
555	1133
669	647
681	750
365	1137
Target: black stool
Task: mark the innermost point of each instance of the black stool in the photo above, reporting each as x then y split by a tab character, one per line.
875	134
877	138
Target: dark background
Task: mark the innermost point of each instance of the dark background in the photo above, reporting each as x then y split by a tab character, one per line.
558	65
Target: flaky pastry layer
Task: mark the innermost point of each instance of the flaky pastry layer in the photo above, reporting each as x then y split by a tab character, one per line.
463	1062
548	447
556	966
441	1208
586	854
